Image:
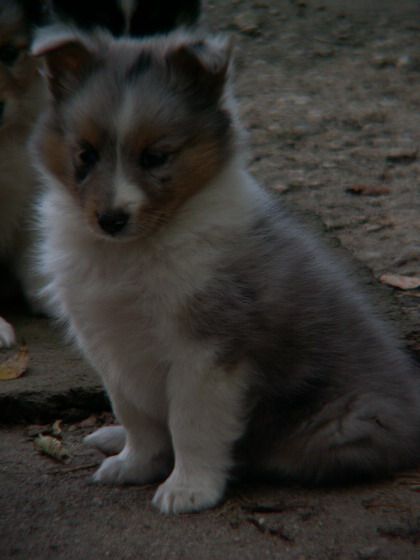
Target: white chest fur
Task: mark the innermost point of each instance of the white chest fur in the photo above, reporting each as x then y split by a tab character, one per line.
122	300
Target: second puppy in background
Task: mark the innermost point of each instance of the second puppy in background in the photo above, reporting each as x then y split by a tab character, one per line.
22	96
136	18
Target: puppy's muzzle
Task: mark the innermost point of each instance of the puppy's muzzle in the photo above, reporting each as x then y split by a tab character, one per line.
113	223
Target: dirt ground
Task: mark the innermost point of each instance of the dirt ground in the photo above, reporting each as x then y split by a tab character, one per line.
330	95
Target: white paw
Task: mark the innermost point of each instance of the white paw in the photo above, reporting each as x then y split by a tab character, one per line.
109	439
178	495
132	468
7	334
119	470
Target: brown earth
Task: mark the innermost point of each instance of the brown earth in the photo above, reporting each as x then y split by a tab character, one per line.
330	95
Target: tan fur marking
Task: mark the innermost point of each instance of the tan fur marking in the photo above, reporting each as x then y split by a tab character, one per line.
54	153
89	131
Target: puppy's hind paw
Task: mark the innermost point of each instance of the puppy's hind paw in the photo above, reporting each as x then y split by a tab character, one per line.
109	439
176	496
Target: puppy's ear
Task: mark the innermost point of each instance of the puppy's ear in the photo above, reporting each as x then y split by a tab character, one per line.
202	67
68	60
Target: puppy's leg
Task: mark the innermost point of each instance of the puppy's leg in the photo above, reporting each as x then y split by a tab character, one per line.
109	439
7	334
205	420
146	455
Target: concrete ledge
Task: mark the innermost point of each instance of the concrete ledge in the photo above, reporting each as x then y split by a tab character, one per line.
58	384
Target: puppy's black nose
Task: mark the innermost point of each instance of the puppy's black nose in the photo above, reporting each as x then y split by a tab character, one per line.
113	222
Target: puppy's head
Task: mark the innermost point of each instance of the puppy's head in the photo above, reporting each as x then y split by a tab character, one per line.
135	128
18	69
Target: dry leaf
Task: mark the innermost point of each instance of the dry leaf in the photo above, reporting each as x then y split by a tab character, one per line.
366	190
16	365
57	428
51	446
402	282
247	23
402	156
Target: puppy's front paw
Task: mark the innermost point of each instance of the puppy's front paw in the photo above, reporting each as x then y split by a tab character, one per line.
7	334
179	495
109	439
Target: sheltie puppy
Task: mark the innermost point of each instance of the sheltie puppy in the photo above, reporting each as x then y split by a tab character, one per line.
22	95
229	340
136	18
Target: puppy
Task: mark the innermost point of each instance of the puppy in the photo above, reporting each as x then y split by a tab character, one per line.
230	342
126	17
22	95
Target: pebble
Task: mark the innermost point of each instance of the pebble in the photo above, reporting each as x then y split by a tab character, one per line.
368	553
247	23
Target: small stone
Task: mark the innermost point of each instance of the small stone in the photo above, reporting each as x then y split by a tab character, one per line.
324	51
368	553
261	521
402	155
280	187
89	422
382	60
247	23
407	62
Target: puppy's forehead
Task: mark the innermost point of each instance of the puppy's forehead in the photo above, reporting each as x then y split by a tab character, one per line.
127	98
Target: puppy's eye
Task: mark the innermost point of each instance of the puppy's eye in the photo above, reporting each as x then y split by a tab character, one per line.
150	160
85	160
9	55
